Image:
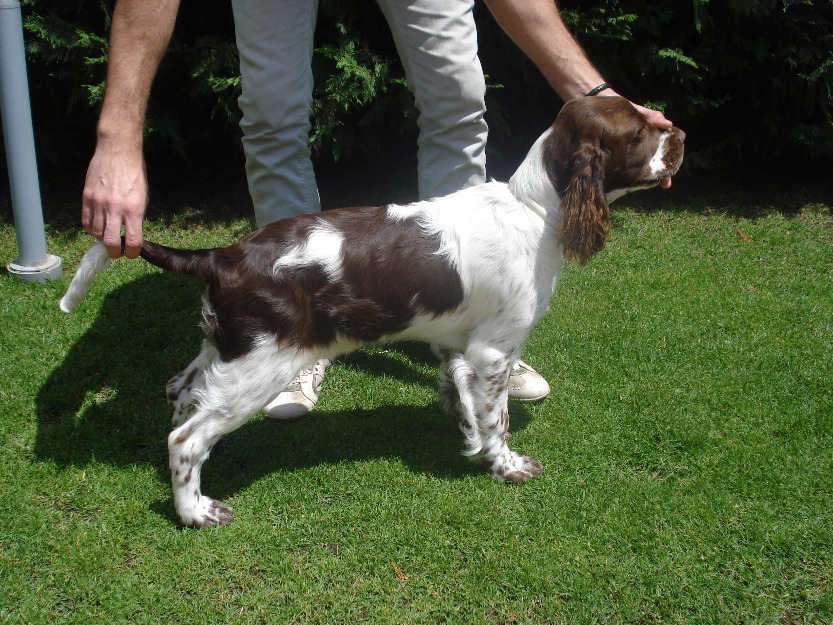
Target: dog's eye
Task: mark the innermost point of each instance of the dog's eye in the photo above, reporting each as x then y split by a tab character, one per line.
637	139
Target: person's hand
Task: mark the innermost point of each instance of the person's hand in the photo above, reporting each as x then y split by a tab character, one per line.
115	196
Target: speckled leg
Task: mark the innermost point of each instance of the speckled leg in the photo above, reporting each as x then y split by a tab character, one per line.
481	379
180	389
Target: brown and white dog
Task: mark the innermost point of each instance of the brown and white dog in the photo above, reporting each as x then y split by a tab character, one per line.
470	273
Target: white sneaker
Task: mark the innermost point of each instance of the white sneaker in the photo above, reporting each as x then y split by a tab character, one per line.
300	396
526	384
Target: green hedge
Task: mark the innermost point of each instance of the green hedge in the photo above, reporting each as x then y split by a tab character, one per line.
745	78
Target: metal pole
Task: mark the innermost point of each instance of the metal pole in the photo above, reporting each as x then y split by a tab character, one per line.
33	264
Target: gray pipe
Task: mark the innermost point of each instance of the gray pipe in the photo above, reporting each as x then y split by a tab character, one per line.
33	263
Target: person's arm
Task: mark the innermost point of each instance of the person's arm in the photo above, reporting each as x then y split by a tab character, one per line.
537	29
115	191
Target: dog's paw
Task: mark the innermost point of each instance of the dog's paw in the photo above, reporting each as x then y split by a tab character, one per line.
206	512
517	469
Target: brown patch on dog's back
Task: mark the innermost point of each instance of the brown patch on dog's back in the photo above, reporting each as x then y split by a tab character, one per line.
388	275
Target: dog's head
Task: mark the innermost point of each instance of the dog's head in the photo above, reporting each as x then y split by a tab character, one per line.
598	149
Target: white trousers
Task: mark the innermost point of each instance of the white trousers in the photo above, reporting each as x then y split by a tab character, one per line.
437	43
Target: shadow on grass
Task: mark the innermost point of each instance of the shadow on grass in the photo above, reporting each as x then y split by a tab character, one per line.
105	402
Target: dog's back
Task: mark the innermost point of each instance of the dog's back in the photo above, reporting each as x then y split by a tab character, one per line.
359	274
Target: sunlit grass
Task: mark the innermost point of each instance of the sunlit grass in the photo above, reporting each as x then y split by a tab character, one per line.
687	445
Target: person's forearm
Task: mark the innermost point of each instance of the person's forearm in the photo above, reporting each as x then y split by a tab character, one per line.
537	29
139	35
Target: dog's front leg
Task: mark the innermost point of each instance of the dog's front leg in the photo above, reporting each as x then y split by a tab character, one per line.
482	381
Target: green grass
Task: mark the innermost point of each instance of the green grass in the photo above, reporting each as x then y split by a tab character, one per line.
687	444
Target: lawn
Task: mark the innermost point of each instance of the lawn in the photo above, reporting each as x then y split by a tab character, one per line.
687	445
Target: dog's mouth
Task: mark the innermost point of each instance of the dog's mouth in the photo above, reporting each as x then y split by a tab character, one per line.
662	178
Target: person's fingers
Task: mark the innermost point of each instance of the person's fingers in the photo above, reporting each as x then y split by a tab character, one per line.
655	117
112	236
115	198
133	235
92	217
87	212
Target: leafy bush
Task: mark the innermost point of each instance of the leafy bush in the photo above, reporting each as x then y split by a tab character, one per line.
194	95
751	78
744	77
757	75
360	95
67	53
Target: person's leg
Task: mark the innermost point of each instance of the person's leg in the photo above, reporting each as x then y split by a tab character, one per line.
275	40
437	42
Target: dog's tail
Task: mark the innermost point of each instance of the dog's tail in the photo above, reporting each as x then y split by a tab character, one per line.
192	262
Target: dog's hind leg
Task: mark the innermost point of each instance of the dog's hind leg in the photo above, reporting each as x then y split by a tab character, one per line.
482	380
180	389
233	392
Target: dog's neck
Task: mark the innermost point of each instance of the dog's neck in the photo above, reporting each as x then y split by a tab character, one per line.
543	213
531	184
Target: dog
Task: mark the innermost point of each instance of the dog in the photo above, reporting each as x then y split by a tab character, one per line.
470	273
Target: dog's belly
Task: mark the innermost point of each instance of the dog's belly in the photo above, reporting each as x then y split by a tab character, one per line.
458	330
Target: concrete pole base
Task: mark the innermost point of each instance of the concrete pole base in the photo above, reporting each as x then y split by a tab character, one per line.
50	269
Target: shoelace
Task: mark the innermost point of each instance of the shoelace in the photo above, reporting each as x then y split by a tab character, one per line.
317	376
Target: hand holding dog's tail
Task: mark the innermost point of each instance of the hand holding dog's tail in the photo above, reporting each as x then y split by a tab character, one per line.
191	262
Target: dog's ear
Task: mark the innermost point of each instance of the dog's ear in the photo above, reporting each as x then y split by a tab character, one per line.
585	218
